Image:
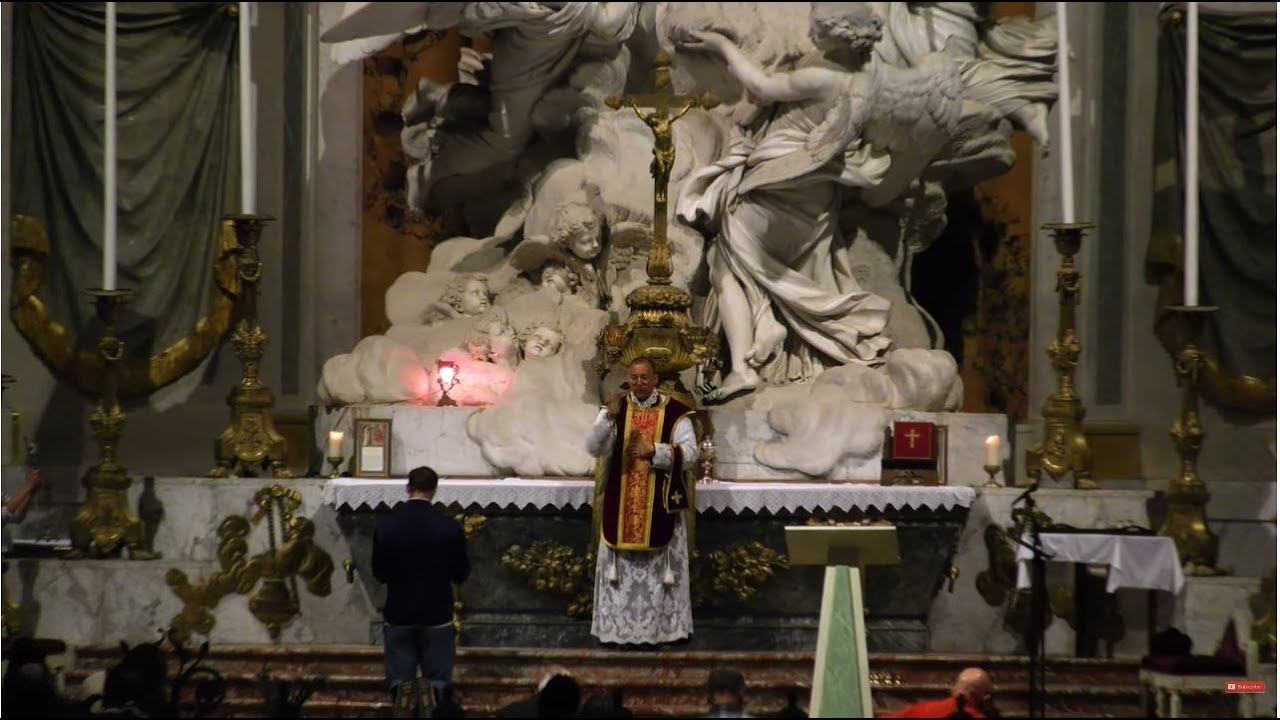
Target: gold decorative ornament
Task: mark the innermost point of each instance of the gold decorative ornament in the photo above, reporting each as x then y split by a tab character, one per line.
12	617
53	344
1000	579
471	526
105	525
734	573
558	569
275	601
1064	448
991	471
1187	495
658	325
251	439
884	678
1215	382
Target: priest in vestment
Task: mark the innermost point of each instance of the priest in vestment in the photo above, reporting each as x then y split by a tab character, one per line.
643	441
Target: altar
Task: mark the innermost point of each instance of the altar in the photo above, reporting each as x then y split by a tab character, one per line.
530	541
575	493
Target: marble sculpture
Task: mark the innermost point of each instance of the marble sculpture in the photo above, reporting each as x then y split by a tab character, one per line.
797	205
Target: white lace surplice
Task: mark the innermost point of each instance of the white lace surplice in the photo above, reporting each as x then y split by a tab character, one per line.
632	604
638	608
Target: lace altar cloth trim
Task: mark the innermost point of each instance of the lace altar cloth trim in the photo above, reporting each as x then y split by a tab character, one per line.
574	493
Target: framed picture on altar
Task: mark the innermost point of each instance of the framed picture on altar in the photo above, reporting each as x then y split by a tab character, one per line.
373	448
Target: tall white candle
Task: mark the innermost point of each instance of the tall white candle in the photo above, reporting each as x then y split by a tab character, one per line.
1191	188
335	443
248	136
1066	174
109	200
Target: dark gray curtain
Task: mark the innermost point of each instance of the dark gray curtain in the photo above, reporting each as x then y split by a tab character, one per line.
1237	180
178	168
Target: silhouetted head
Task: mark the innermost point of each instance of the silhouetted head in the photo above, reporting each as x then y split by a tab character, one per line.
726	687
974	685
559	697
423	482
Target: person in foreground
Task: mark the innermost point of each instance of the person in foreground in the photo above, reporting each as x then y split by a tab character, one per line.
726	692
970	698
419	553
643	441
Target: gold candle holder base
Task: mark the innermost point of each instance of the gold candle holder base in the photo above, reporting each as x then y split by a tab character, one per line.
1064	447
991	476
658	325
1187	495
251	439
336	463
104	525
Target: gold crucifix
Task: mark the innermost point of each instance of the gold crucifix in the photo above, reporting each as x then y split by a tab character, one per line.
911	438
664	108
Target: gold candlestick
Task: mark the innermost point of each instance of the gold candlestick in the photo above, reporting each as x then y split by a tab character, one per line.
104	523
336	462
251	438
991	476
1187	495
1064	447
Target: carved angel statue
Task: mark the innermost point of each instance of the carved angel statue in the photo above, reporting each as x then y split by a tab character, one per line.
534	48
580	241
783	290
492	339
466	295
1006	65
541	340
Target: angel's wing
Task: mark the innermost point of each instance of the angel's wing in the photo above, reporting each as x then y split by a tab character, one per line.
834	133
369	27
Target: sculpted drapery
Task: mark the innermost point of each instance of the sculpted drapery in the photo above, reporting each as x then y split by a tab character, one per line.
783	289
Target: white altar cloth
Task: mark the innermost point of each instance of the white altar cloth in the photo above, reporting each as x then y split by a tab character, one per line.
574	493
1134	561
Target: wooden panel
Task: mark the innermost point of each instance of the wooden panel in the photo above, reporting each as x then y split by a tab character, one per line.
394	242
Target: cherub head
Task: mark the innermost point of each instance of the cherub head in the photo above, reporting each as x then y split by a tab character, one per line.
844	25
541	340
560	277
468	294
578	228
492	339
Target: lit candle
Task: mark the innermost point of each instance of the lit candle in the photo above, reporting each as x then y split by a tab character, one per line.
109	200
1191	188
1066	176
992	446
248	138
335	443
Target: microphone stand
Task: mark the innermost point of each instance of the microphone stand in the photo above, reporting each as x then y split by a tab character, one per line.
1039	603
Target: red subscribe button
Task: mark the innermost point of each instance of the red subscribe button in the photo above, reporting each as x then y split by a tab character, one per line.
1245	686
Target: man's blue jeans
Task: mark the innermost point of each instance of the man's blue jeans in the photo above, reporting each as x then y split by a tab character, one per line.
409	647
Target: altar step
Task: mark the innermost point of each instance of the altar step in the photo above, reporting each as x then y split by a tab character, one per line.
669	683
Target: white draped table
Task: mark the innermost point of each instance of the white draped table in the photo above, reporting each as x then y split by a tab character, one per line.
1133	561
725	497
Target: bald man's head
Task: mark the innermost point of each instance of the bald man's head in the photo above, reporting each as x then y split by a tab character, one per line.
975	685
